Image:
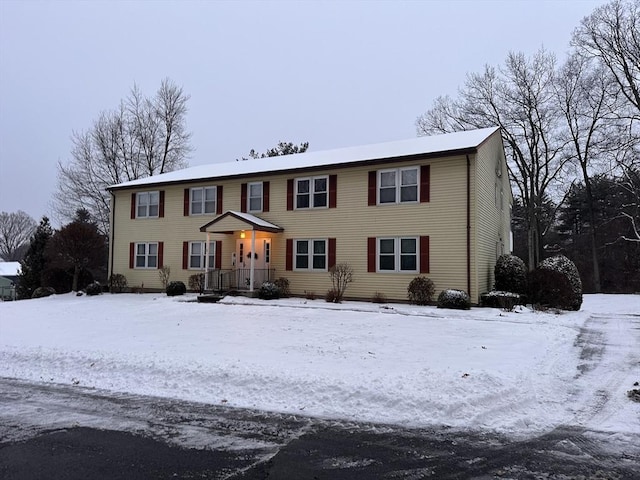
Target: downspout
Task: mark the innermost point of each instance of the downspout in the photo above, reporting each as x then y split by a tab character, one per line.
468	225
112	234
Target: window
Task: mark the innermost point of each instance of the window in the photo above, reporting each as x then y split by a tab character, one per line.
146	255
203	200
398	186
197	255
399	254
147	204
312	192
255	197
311	255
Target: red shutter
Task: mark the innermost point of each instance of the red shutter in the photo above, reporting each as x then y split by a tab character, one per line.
372	188
290	194
424	254
371	254
218	258
132	253
160	254
185	203
185	255
333	190
332	252
265	196
161	207
218	199
133	205
425	181
289	254
243	197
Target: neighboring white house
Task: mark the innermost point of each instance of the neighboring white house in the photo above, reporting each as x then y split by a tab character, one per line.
8	279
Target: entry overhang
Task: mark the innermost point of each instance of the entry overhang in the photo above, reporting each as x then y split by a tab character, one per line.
232	221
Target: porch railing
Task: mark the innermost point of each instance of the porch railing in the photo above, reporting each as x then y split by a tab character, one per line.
238	279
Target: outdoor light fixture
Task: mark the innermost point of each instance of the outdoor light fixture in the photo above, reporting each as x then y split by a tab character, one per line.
242	234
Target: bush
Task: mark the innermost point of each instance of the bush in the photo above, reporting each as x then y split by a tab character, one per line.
550	289
341	276
421	290
283	285
505	300
176	288
378	298
309	295
269	291
510	274
164	273
117	283
41	292
451	298
563	265
93	289
196	282
333	296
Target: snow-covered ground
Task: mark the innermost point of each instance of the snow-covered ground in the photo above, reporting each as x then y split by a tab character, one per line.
519	373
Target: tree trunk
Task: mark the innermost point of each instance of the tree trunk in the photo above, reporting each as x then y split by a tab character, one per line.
594	247
76	276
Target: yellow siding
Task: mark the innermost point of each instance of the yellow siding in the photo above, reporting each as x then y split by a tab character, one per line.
443	219
492	214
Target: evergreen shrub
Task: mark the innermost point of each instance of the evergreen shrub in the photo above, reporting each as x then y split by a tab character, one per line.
456	299
93	289
176	288
421	290
550	289
510	274
269	291
41	292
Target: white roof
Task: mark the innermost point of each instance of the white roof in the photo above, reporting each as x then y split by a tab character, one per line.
9	269
253	219
402	148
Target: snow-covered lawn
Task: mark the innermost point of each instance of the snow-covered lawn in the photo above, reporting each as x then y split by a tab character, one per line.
518	373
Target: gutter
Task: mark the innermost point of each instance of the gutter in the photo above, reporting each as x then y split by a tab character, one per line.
468	225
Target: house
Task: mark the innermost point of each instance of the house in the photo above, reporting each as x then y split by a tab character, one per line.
438	206
9	272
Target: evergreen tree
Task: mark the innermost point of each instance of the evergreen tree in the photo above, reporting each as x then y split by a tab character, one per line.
34	262
77	248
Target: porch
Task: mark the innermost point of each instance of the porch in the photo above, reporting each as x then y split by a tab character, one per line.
237	279
248	263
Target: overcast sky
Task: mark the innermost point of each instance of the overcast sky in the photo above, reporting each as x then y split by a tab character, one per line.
334	74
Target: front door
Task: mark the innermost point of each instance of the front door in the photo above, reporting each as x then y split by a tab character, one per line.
261	259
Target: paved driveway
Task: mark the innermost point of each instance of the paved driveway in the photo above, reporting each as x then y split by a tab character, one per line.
65	432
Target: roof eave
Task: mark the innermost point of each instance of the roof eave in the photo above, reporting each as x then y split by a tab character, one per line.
336	166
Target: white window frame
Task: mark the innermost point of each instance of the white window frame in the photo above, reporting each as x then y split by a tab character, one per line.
310	255
202	203
398	185
249	197
146	255
141	203
398	254
201	256
312	192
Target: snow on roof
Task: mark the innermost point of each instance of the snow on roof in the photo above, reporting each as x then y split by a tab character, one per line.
253	219
401	148
9	269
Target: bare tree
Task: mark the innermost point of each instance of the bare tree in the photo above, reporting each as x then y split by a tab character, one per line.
520	99
15	231
612	34
589	101
142	137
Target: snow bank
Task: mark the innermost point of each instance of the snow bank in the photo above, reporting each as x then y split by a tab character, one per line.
518	373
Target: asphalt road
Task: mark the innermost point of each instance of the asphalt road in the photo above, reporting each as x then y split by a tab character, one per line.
68	432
